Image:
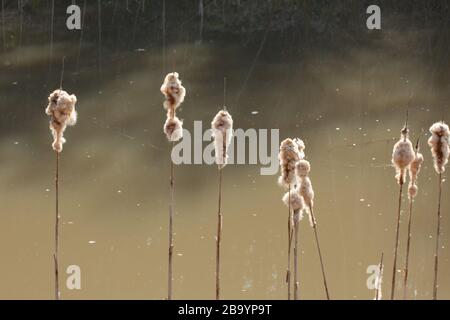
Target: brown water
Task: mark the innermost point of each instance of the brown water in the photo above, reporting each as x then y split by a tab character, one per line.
347	106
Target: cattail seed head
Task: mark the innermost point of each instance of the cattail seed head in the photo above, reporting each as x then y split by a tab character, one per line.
414	170
294	200
306	191
402	156
302	168
222	127
61	109
173	128
174	92
439	144
289	154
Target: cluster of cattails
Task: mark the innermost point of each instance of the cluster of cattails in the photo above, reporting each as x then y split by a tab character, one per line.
299	199
222	126
174	92
408	161
62	113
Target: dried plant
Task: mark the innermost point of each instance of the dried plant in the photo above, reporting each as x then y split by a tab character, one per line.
222	126
414	170
439	144
62	113
174	92
289	154
379	280
402	156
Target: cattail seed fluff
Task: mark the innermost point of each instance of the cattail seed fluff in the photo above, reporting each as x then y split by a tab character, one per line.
414	170
61	109
222	127
439	143
402	156
173	128
289	154
174	93
305	189
294	200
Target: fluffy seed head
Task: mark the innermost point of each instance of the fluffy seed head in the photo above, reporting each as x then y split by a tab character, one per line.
402	156
296	201
301	147
173	128
306	191
222	127
302	168
414	170
174	92
439	144
289	154
61	109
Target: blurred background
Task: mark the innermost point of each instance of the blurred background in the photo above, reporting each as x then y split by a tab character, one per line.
311	69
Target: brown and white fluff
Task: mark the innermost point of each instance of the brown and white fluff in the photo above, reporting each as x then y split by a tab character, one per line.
439	144
288	156
174	93
295	201
414	170
305	189
222	132
61	109
402	155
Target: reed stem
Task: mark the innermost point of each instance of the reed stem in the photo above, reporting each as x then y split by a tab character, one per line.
408	246
394	269
325	283
296	282
290	235
438	233
171	245
379	279
55	255
219	236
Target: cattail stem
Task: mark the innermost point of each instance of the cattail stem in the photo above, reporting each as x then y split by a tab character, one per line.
219	236
379	279
438	233
408	246
290	235
394	268
325	284
55	255
296	282
171	245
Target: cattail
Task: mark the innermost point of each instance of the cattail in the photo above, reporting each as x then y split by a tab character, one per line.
61	109
302	169
62	113
402	156
439	144
289	154
414	170
222	126
174	93
294	201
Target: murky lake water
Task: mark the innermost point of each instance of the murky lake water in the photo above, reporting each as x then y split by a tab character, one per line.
347	105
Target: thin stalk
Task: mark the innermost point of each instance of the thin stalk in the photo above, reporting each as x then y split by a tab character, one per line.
394	268
51	33
438	233
325	283
290	235
219	236
379	281
171	245
55	255
296	283
80	45
164	34
408	246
